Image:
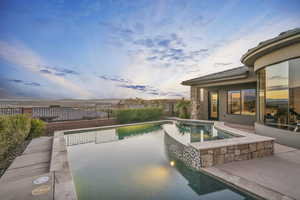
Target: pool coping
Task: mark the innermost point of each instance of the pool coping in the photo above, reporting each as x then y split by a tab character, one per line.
64	187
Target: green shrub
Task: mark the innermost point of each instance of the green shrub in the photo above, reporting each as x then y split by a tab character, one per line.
182	109
37	128
13	131
138	114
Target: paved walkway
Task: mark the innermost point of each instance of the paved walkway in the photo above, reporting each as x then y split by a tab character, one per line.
274	177
17	182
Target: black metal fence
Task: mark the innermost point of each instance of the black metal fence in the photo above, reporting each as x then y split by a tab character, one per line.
11	111
60	113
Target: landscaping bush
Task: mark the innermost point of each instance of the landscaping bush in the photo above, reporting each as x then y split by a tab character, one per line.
182	109
138	115
13	131
37	128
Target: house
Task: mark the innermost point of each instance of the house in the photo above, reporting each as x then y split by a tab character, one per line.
265	92
168	105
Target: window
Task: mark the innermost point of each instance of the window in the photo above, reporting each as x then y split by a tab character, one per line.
248	100
234	102
241	102
279	92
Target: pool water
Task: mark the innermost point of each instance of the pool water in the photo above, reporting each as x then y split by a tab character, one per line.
114	164
195	132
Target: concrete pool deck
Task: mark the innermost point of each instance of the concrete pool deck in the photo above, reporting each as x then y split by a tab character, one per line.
275	177
17	181
44	158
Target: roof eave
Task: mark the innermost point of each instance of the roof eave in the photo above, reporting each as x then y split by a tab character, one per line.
195	82
249	57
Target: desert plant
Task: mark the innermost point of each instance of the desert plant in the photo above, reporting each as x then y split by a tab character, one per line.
37	128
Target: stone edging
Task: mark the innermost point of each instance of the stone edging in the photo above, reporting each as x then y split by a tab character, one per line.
64	188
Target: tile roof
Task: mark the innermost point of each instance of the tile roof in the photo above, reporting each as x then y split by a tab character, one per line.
229	74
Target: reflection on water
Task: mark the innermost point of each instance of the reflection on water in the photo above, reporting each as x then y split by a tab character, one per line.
110	135
136	167
194	132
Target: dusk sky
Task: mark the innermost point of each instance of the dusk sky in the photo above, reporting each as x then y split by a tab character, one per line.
134	48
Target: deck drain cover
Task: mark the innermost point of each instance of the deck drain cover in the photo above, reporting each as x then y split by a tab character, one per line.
43	189
41	180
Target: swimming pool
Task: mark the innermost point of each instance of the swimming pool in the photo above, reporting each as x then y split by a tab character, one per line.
133	162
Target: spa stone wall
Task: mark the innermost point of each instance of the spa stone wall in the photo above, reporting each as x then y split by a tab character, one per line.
196	159
187	154
217	156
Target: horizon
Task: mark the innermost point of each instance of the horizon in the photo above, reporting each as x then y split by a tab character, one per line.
126	49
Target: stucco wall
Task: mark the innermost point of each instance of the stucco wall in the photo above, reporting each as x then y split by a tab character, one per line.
289	52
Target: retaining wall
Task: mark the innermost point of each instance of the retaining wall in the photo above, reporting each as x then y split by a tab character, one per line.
68	125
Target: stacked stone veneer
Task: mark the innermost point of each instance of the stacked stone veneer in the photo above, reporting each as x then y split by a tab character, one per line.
221	155
197	158
187	154
199	107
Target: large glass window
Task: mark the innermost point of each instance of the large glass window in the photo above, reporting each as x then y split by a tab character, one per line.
294	92
234	102
279	94
248	100
242	102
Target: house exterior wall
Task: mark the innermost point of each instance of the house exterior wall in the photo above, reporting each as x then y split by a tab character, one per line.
200	108
286	53
290	50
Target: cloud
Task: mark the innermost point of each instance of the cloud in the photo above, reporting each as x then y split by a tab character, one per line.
135	87
115	79
118	31
45	71
18	81
221	64
20	55
57	71
32	84
167	50
150	90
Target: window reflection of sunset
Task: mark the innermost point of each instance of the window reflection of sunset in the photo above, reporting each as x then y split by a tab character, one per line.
277	94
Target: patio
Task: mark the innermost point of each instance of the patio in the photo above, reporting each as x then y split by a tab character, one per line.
274	177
